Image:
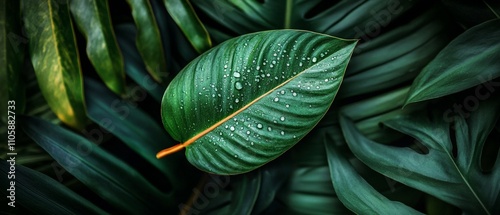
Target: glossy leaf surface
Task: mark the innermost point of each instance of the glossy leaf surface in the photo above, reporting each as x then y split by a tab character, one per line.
183	14
469	60
458	180
94	21
250	99
148	39
54	57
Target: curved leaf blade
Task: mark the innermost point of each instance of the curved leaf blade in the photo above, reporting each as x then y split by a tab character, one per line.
37	191
354	192
94	21
257	85
54	56
148	38
102	172
459	181
183	14
134	127
469	60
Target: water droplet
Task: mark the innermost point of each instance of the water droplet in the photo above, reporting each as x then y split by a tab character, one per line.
287	105
282	133
232	128
314	60
236	74
300	64
274	62
294	94
282	118
326	80
248	132
251	143
258	68
236	156
238	85
236	100
276	99
269	128
259	126
282	92
225	66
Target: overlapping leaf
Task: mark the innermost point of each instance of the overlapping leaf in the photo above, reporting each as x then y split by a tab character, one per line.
54	56
183	14
345	18
354	192
93	19
469	60
247	101
109	177
457	180
43	195
148	38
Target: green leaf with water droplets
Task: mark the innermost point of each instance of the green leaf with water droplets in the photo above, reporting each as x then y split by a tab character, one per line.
247	101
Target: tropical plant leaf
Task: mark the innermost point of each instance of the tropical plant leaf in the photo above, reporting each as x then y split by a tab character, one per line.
183	14
94	21
11	61
54	56
354	192
134	127
458	180
310	191
345	18
106	175
44	195
148	38
243	103
134	66
469	60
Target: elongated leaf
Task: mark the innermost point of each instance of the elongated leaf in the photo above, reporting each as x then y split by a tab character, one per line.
109	177
44	195
11	60
345	18
54	57
183	14
134	127
148	39
469	60
250	99
356	194
94	21
457	180
134	66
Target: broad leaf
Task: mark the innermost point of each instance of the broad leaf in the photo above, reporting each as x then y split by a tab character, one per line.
183	14
345	18
109	177
469	60
354	192
44	195
94	21
148	39
457	180
244	103
54	57
12	51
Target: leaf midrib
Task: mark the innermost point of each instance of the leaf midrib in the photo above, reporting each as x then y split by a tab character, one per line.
288	14
465	180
